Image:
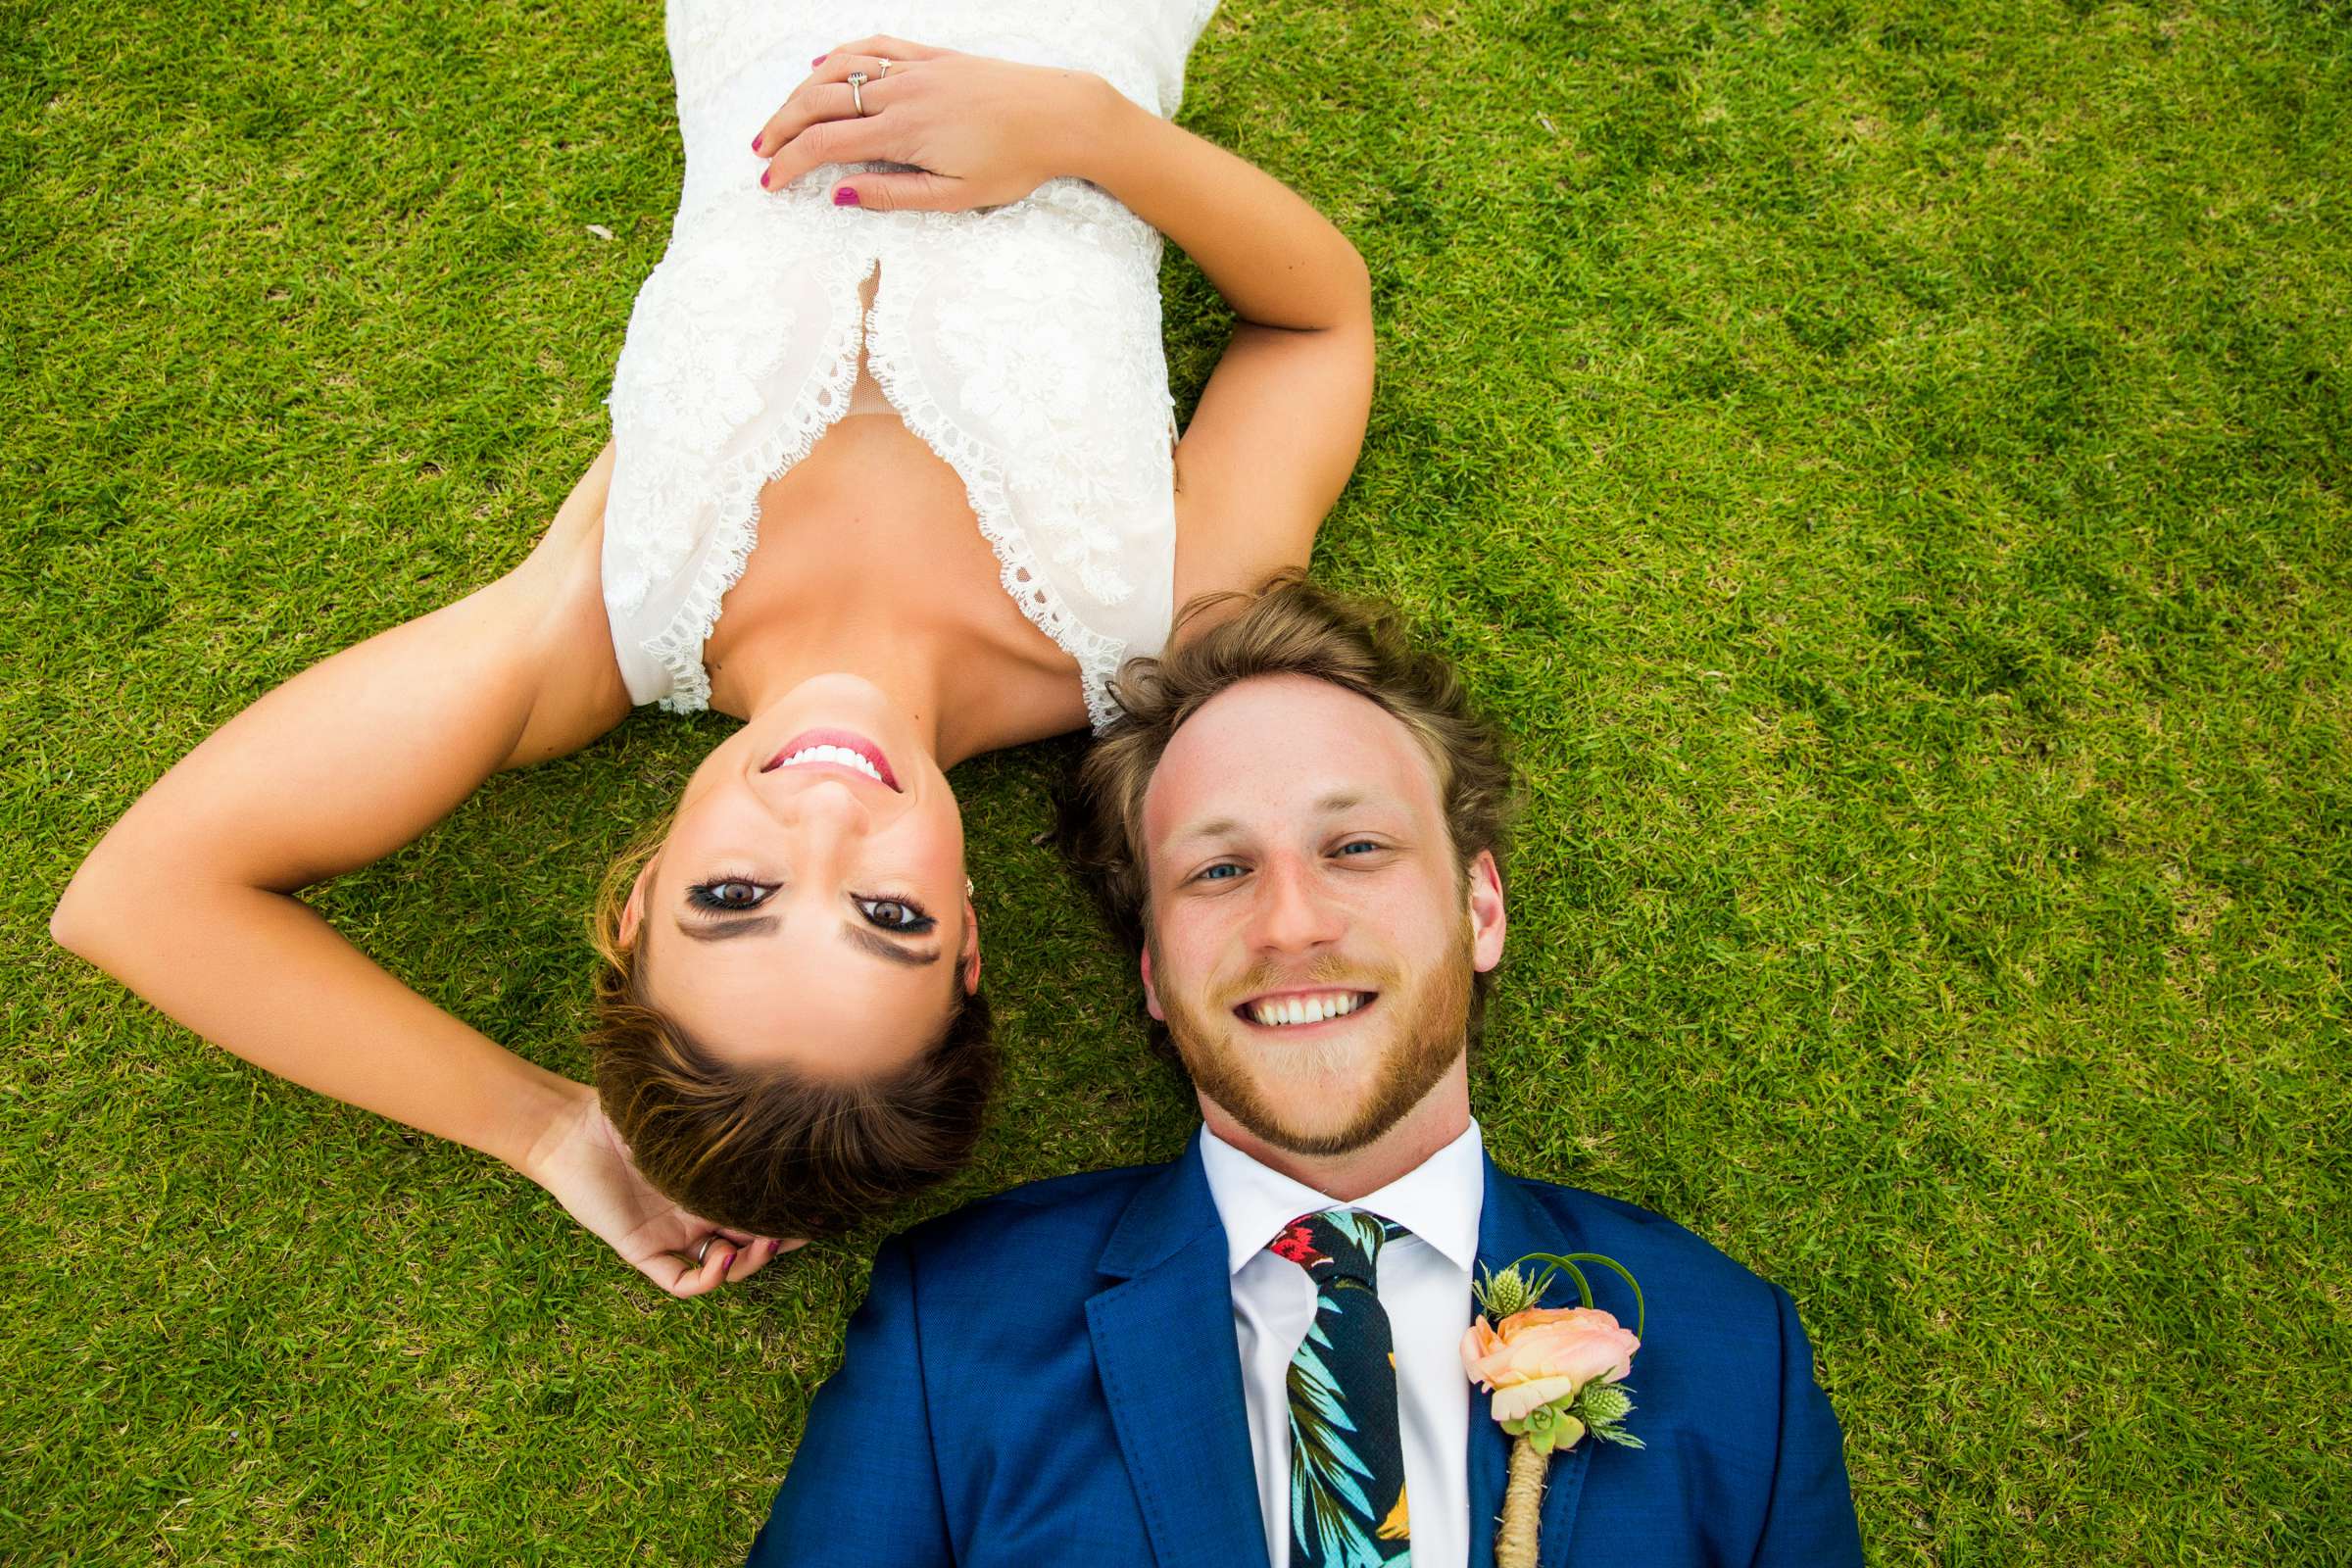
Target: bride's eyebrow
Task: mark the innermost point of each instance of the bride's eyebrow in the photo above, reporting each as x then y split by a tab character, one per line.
723	929
881	946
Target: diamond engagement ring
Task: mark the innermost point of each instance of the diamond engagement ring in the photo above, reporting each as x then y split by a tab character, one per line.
885	59
858	81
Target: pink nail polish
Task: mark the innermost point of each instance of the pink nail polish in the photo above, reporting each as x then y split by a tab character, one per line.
846	196
820	60
764	180
754	144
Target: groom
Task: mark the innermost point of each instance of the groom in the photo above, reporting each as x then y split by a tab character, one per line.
1251	1356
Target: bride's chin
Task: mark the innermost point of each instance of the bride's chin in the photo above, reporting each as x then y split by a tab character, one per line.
851	702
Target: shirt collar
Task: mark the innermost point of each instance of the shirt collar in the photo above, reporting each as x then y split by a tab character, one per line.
1438	1200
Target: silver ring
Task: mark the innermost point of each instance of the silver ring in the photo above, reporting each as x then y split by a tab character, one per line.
703	1251
885	59
858	80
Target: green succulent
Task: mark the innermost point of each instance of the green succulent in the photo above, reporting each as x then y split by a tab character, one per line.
1547	1427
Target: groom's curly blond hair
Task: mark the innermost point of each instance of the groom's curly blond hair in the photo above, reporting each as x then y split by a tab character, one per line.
1290	627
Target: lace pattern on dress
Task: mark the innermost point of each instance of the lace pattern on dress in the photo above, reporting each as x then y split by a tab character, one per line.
1020	344
984	485
735	531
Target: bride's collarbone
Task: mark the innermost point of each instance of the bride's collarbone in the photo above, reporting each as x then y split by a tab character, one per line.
1012	681
870	542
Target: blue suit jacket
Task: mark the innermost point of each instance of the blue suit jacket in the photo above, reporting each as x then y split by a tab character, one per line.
1050	1377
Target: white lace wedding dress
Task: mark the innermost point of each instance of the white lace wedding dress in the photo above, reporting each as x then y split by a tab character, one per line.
1021	343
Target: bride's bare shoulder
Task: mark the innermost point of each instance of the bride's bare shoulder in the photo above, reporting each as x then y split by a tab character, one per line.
557	592
577	530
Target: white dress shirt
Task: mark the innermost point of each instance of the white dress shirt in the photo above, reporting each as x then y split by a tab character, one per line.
1425	1290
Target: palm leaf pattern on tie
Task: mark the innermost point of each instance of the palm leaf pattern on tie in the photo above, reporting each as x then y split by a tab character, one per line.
1332	1518
1327	1491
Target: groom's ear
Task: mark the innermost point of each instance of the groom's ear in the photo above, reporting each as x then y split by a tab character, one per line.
1487	918
632	913
1151	995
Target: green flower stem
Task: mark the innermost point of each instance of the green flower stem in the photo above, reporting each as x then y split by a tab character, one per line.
1584	1287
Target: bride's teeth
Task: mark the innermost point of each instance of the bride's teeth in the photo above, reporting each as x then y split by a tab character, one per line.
834	754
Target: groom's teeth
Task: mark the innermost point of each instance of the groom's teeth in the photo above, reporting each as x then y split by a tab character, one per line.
1306	1009
834	754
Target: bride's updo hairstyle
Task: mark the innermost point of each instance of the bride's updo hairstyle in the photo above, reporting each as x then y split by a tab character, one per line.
764	1148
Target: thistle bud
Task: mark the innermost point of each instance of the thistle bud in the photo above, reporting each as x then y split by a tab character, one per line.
1603	1404
1503	1293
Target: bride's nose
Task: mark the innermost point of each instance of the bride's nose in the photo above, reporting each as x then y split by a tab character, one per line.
826	805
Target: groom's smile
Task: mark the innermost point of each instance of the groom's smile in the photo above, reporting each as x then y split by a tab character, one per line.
1304	1009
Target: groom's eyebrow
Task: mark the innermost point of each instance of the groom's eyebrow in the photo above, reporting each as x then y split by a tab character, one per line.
1225	826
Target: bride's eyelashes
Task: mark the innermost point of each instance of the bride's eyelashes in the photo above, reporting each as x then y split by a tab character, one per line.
903	916
729	893
732	895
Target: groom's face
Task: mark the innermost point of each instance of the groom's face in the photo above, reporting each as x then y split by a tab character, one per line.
1312	933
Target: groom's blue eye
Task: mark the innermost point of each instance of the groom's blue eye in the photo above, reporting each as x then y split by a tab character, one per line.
1210	875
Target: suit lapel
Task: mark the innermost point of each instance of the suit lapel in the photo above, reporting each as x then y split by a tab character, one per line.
1511	1225
1171	1374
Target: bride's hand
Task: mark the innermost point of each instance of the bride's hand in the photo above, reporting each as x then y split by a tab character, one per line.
584	1163
981	131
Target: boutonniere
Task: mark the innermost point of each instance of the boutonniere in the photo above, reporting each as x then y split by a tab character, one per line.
1555	1377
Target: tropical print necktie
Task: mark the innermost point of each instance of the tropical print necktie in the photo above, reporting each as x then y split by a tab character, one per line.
1346	1457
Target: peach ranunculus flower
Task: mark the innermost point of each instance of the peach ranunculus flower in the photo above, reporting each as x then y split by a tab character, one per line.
1538	1356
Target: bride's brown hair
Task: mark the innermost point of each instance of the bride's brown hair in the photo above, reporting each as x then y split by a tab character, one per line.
762	1148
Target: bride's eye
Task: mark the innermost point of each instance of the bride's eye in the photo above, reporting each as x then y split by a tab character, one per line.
734	893
896	914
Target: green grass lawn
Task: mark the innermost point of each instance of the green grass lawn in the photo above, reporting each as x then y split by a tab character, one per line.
1886	461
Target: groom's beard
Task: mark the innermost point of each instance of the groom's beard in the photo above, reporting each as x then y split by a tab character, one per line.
1408	1041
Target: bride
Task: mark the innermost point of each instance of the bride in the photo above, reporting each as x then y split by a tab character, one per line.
895	400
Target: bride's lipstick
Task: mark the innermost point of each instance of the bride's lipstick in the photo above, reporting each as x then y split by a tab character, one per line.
843	739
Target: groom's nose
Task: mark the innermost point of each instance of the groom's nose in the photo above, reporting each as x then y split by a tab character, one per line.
1294	911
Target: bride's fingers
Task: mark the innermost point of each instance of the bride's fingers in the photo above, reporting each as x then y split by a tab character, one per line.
916	192
710	1274
836	69
882	47
831	141
757	1256
814	105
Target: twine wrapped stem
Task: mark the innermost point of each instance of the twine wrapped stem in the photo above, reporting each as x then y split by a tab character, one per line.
1522	1507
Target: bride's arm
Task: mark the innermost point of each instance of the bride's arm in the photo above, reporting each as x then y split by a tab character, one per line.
189	899
1282	419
